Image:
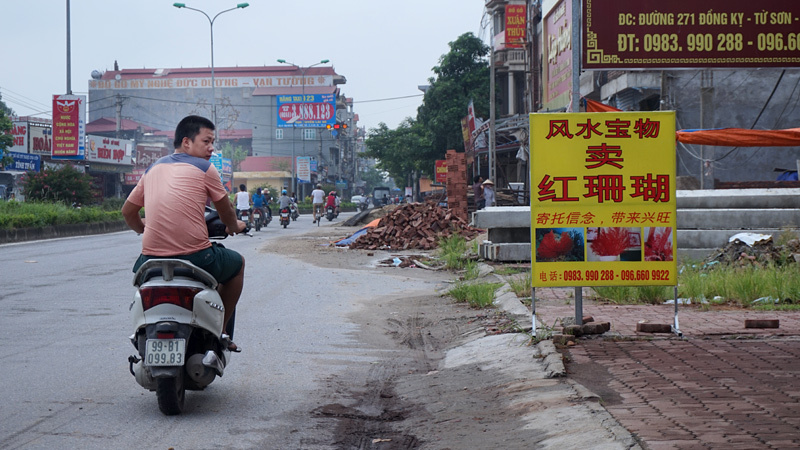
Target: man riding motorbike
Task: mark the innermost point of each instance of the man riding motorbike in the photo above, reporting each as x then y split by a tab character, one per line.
174	191
258	204
242	202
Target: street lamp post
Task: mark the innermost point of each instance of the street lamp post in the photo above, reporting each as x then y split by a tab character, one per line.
302	112
211	23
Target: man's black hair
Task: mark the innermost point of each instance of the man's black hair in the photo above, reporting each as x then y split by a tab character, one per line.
476	179
189	127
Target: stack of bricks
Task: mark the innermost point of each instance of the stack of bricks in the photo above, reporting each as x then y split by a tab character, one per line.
457	183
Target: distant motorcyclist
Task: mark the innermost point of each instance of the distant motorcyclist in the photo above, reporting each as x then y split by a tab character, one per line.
242	201
284	201
259	201
333	200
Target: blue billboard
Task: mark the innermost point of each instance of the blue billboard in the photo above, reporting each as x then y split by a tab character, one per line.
311	110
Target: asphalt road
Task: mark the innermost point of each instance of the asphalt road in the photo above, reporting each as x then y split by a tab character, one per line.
64	345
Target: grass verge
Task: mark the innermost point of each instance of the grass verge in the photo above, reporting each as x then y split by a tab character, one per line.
477	295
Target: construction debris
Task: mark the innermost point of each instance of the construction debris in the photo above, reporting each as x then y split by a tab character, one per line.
759	253
414	226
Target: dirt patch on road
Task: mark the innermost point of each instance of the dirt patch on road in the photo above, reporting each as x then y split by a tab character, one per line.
403	400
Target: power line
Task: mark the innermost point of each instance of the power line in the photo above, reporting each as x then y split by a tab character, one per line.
388	99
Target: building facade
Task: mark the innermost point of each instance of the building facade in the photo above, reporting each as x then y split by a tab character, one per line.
271	111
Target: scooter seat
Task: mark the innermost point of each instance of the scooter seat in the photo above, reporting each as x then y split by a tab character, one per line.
157	272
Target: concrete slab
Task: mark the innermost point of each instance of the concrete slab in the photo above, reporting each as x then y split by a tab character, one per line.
744	218
739	198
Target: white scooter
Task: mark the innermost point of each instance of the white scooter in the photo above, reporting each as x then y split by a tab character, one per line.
177	319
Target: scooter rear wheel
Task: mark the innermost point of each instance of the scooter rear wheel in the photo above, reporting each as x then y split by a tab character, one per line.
171	393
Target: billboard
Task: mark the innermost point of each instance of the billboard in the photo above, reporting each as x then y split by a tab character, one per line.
712	33
603	208
311	110
109	150
19	134
557	61
69	126
25	162
304	169
41	140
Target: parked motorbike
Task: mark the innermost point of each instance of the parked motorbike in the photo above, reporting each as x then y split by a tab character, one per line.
294	211
285	216
177	318
330	213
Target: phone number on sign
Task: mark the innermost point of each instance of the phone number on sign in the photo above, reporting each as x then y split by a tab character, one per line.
612	275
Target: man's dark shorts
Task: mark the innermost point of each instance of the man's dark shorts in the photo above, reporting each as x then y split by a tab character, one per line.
222	263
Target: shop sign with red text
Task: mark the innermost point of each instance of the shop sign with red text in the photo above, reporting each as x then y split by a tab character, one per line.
441	171
109	150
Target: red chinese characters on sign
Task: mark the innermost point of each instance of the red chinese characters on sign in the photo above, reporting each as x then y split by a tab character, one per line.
605	187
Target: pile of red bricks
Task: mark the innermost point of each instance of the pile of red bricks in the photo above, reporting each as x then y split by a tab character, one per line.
415	226
457	183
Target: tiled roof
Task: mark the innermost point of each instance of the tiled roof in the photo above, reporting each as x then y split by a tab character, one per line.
108	124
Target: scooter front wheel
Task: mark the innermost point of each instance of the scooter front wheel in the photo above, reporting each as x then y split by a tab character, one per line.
171	393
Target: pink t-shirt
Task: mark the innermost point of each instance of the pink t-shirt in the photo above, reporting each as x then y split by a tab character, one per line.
173	192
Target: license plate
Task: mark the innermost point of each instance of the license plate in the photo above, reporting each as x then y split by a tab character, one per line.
257	215
165	352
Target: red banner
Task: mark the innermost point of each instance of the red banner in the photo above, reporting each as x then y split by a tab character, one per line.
712	33
67	132
441	171
515	26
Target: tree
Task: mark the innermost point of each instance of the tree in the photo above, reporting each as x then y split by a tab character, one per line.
235	154
462	75
372	177
5	134
412	149
400	152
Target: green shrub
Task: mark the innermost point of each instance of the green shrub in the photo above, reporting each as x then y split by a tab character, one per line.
65	185
39	214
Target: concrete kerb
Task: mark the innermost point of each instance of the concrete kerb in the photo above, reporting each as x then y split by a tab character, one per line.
507	301
60	231
566	413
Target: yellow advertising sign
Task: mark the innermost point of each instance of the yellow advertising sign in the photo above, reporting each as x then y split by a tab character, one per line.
603	209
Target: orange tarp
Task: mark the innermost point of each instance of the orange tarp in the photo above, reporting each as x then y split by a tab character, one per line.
727	137
739	137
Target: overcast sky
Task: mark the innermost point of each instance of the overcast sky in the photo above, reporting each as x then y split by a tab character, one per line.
385	49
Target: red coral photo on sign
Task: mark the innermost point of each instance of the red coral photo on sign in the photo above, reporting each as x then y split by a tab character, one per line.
614	244
658	244
559	244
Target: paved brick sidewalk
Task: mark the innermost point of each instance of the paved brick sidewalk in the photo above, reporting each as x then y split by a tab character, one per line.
720	386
